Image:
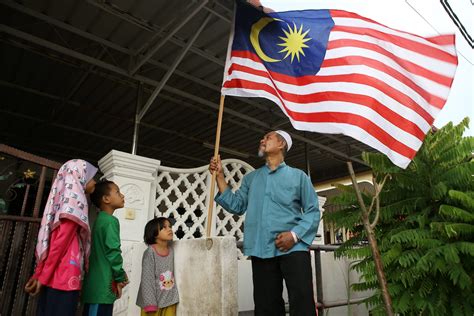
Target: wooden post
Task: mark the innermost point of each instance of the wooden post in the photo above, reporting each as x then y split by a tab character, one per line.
214	174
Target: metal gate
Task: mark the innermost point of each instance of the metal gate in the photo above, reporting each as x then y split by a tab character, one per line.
25	180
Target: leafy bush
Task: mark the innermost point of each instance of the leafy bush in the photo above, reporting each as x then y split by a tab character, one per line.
425	232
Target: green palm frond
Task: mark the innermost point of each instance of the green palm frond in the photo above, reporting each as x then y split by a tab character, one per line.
456	213
465	199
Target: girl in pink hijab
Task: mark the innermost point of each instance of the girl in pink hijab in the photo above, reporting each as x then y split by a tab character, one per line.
62	250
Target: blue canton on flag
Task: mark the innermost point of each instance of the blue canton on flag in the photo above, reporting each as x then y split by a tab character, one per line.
292	43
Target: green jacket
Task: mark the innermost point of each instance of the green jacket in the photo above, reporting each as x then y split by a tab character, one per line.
105	261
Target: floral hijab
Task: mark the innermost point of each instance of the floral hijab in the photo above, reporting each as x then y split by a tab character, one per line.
67	199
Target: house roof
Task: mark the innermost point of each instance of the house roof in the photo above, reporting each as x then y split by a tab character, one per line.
74	71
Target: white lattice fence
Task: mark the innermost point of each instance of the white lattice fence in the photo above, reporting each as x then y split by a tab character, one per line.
183	194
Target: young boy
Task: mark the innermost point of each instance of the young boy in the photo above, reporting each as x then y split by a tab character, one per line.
105	279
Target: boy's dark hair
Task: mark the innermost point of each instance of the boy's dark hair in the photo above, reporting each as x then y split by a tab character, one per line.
152	228
102	188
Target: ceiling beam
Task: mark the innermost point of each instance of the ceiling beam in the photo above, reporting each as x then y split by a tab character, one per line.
101	114
71	53
172	68
37	92
40	150
92	37
84	76
175	29
222	17
93	134
149	26
68	27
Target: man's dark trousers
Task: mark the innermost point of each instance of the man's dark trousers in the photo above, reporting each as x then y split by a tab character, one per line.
268	275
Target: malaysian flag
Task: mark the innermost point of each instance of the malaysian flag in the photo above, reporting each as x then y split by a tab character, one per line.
332	71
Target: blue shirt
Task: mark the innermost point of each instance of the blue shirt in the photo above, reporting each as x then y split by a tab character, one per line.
274	201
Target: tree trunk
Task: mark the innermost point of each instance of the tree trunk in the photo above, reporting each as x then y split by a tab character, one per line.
373	245
378	265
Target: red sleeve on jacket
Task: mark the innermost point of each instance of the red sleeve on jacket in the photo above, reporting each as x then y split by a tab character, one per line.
60	241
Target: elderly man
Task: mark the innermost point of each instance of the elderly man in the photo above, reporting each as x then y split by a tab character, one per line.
282	218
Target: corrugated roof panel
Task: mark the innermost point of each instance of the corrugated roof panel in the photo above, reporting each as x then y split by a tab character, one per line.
88	99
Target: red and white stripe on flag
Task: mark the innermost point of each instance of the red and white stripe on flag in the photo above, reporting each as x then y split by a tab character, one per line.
381	86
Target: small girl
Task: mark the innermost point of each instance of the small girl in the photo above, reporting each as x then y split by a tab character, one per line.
158	294
64	239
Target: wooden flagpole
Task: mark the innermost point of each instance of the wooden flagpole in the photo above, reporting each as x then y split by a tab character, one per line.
214	174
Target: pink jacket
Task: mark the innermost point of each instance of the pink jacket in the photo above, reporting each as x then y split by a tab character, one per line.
63	266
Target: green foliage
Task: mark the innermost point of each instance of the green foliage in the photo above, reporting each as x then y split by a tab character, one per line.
425	231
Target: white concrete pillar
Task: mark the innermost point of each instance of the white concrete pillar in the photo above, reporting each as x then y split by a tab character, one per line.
135	177
320	240
206	276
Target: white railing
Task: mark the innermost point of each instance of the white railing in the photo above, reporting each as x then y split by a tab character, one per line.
183	194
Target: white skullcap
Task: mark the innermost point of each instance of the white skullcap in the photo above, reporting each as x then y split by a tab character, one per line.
287	138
